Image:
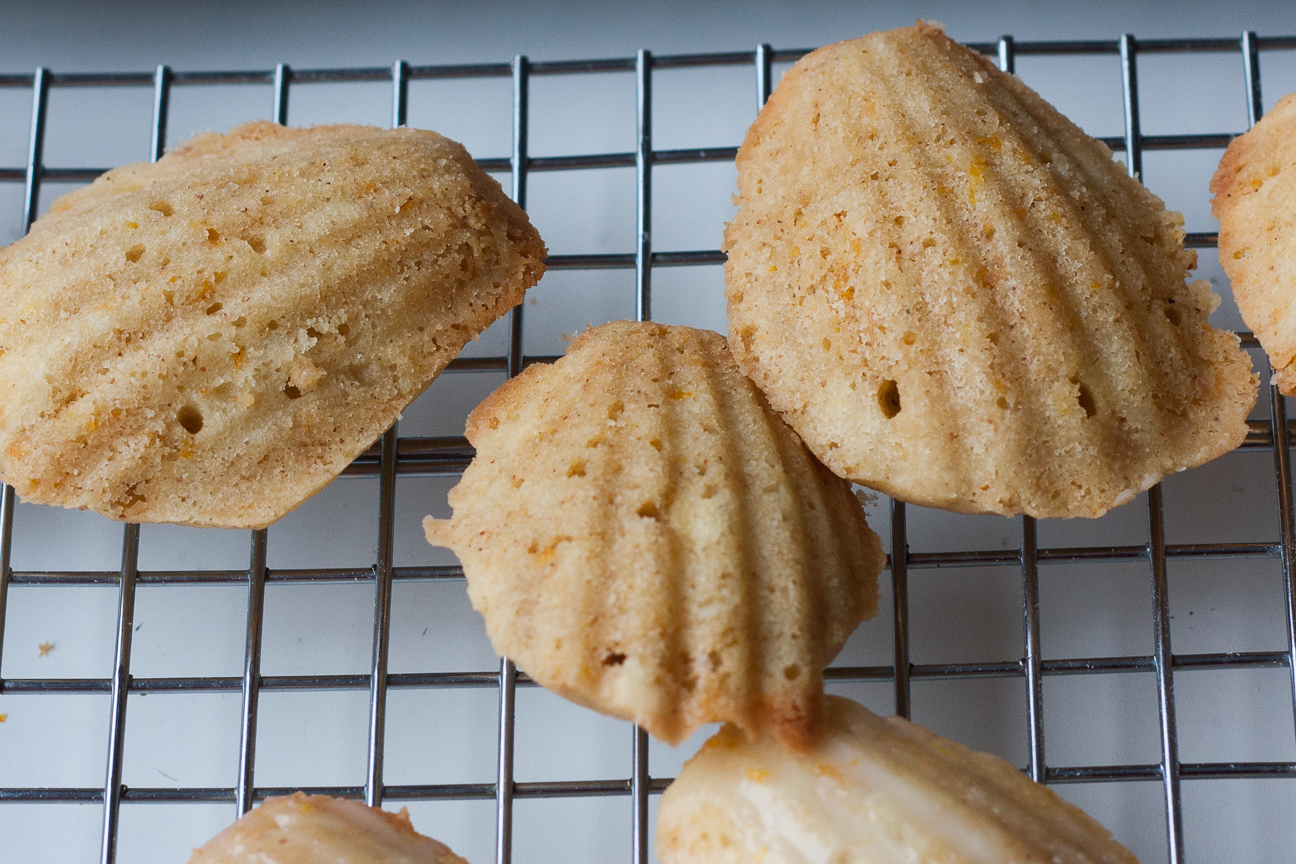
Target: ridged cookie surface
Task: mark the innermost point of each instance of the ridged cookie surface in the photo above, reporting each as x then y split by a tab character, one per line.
957	297
1255	203
315	829
872	791
644	536
212	338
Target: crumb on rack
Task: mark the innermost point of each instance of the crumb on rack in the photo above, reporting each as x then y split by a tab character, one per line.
45	648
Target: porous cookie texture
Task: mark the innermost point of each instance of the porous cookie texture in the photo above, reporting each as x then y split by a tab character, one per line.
959	298
1255	203
644	536
212	338
872	791
315	829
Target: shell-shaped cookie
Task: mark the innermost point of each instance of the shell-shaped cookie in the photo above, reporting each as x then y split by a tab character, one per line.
957	297
1255	203
644	536
212	338
315	829
872	791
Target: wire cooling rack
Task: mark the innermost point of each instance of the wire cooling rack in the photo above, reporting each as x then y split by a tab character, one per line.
395	457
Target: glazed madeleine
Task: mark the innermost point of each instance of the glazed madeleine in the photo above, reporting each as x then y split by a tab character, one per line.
957	297
212	338
644	536
316	829
872	791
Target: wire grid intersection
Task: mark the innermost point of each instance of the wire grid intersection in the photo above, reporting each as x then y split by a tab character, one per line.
414	456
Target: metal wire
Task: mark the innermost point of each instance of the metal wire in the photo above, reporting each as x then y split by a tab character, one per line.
386	529
1277	406
1165	676
1156	541
129	566
1053	48
639	779
899	563
244	791
1007	53
643	187
764	74
508	676
40	90
999	669
35	147
161	106
120	688
382	621
1032	662
282	78
684	156
251	684
7	501
395	457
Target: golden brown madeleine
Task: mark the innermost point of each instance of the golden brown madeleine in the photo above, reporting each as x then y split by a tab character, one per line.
957	297
644	536
212	338
1255	203
872	791
315	829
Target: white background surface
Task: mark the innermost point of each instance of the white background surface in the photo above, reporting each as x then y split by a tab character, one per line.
445	736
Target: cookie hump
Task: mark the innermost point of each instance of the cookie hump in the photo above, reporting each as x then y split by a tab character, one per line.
212	338
316	829
959	298
875	790
645	537
1255	203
